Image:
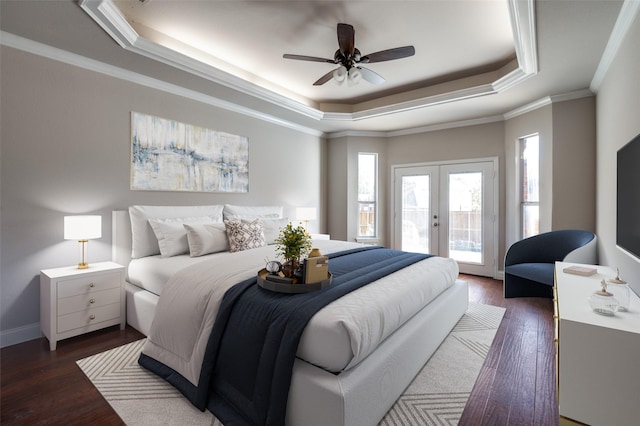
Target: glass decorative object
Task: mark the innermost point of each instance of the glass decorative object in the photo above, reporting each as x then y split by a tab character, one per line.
603	302
620	290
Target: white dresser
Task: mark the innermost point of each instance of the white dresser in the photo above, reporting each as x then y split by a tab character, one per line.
75	301
598	357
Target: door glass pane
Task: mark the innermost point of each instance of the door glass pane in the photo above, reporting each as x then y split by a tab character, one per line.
465	217
415	213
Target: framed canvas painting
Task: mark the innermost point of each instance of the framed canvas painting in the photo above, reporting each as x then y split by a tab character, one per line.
168	155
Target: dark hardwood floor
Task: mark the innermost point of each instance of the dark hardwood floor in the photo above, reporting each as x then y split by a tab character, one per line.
516	385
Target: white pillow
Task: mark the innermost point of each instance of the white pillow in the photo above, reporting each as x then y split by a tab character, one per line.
232	212
144	241
206	238
271	228
244	235
171	234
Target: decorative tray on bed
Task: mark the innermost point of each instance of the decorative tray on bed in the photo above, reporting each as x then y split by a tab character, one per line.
290	288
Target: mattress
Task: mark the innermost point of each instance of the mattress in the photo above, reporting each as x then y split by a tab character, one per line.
346	331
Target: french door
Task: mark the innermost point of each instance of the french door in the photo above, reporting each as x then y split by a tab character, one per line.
448	209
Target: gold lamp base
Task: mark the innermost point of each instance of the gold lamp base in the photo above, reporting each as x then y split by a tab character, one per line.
83	264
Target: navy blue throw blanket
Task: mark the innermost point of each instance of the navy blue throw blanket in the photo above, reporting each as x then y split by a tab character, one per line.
249	357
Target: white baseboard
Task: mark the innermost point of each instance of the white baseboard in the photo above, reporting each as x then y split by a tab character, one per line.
20	334
500	275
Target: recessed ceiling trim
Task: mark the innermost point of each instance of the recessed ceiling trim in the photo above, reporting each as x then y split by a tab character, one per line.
522	13
523	24
457	95
417	130
107	15
510	80
63	56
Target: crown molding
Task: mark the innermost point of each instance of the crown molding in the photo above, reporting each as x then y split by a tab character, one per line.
524	109
523	24
107	15
547	100
416	130
40	49
628	14
530	107
446	126
46	51
522	14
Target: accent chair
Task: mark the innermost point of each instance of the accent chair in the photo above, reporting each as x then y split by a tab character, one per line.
529	263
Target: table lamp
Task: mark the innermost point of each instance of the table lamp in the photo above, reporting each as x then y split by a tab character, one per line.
83	229
305	214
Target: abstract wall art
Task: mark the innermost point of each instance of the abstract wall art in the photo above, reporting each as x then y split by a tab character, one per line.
168	155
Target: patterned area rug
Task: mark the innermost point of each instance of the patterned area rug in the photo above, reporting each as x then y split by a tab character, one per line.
437	396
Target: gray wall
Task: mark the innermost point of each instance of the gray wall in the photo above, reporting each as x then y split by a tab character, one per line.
574	143
342	191
539	121
65	135
480	141
567	166
65	143
618	121
567	135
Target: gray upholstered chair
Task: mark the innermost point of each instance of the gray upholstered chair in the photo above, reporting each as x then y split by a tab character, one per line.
529	263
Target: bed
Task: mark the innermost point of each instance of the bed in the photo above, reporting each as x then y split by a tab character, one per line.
337	378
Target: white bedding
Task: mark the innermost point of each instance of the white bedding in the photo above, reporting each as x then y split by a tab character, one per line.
337	338
152	272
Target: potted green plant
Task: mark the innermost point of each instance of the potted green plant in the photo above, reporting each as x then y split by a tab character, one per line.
293	243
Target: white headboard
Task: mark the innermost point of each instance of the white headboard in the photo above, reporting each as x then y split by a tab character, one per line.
121	237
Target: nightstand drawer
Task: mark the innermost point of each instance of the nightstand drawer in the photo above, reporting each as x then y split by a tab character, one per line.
95	299
85	285
88	317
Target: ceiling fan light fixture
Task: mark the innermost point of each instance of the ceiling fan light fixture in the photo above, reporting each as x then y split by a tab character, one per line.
340	74
354	76
348	57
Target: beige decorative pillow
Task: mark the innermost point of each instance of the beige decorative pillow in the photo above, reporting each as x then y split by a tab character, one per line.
244	235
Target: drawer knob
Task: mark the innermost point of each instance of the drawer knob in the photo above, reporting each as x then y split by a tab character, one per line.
92	300
92	317
92	285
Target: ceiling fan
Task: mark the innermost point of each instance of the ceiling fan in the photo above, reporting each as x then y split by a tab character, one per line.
350	59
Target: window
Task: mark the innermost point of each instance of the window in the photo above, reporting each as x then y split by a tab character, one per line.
367	194
530	185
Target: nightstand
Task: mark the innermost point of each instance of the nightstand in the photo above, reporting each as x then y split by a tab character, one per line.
76	301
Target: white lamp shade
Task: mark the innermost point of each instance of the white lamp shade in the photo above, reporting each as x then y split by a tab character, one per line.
340	74
354	76
82	227
306	213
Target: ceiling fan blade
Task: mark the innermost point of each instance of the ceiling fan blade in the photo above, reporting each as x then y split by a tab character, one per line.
307	58
346	39
322	80
389	54
371	76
